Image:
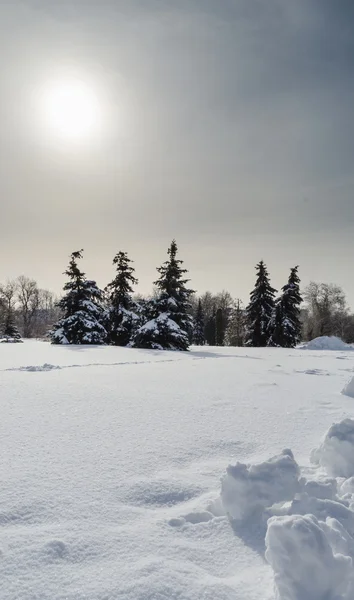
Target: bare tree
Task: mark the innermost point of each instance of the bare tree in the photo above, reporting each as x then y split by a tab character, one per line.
28	295
326	310
236	330
8	294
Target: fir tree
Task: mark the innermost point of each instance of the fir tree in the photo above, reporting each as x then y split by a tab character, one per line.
260	309
276	325
82	308
199	337
285	326
171	326
121	315
9	329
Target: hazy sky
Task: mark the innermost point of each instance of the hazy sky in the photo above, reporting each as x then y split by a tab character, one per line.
227	124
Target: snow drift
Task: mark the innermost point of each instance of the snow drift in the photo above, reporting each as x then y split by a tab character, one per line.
311	545
336	453
249	489
304	562
326	343
309	538
348	389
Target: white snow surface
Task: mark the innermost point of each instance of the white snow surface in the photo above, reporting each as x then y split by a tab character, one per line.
348	389
111	461
247	490
325	342
304	563
336	453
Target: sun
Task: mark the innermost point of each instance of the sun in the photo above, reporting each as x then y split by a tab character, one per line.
71	109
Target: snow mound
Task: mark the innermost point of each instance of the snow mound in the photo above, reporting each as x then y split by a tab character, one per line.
247	490
336	453
304	563
348	389
322	509
346	490
325	489
326	343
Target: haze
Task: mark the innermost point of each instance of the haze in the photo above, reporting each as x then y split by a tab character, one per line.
226	124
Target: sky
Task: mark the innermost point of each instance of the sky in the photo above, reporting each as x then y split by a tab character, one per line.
226	124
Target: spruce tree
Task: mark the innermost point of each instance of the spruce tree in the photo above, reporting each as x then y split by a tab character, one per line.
260	309
122	315
199	336
82	308
285	326
172	324
9	329
276	325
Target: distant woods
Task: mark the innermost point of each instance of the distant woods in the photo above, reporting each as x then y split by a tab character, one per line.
174	315
26	309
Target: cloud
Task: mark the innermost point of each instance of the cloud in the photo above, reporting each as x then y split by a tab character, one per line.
229	118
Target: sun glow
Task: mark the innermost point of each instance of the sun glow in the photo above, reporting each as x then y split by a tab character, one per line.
71	110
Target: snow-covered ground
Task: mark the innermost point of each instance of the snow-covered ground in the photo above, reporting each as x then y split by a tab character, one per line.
115	477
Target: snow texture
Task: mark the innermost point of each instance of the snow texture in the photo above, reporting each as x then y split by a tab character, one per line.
311	545
348	389
327	343
304	563
336	453
247	490
110	472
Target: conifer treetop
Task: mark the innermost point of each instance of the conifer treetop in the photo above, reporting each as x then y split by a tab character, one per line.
171	280
121	287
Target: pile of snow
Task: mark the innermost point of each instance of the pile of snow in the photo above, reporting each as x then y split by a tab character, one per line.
323	488
326	343
348	389
304	562
9	340
310	543
247	490
336	453
309	538
322	509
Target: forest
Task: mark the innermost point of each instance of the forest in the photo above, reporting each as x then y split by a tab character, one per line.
174	315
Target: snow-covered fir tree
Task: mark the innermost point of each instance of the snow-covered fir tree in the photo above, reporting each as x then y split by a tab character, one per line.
260	309
276	325
171	326
122	316
9	329
199	325
285	325
82	309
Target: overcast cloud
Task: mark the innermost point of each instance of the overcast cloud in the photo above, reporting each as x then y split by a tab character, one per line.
228	125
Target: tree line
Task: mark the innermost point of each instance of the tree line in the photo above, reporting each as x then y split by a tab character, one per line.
26	309
174	316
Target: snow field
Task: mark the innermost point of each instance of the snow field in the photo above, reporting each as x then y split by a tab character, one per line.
111	466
